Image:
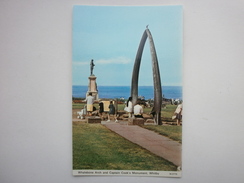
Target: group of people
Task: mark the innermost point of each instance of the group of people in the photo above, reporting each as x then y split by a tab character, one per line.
137	110
89	109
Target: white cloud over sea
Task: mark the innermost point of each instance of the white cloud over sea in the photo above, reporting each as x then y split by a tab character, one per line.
118	60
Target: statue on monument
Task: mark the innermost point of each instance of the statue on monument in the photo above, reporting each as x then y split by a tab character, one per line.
92	66
92	86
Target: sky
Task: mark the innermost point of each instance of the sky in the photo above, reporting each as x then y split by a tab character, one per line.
110	35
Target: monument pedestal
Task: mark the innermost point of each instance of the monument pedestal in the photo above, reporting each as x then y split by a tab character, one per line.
94	120
136	121
92	87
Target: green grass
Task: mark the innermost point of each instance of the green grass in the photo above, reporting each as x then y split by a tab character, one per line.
166	112
173	132
81	105
96	147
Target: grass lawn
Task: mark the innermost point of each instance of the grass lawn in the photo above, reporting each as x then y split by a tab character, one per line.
173	132
96	147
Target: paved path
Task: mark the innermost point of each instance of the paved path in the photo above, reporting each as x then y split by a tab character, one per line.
155	143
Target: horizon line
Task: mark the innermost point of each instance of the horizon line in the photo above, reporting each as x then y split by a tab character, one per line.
125	85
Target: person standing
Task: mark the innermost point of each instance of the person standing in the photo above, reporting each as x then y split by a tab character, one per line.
111	112
89	103
101	108
128	107
138	110
178	113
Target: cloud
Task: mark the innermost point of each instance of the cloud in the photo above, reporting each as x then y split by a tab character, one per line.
118	60
80	63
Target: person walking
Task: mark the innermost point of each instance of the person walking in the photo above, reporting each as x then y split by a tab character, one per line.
112	112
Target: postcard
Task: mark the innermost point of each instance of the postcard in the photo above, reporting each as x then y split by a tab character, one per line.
127	100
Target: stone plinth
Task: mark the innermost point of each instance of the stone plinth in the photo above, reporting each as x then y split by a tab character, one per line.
149	122
94	120
92	87
136	121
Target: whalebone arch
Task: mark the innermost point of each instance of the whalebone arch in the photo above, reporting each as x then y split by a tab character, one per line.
156	75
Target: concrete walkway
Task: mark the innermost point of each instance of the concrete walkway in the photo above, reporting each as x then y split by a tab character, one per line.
155	143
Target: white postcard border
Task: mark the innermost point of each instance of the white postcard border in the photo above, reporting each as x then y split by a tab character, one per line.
174	174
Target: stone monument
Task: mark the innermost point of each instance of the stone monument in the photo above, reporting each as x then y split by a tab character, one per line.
92	86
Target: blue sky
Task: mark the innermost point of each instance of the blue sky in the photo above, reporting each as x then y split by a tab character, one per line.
110	35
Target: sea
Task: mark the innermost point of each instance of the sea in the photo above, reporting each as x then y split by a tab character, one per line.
169	92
